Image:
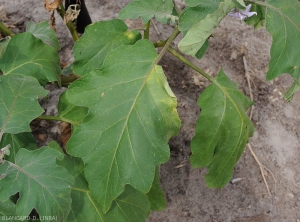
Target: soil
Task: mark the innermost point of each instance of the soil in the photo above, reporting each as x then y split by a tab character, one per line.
276	140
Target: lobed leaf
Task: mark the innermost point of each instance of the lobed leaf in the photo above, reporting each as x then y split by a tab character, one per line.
132	115
222	130
97	41
17	141
19	103
44	32
42	184
147	9
132	205
198	34
27	55
282	22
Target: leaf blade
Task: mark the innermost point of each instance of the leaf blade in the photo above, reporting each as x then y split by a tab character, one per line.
97	41
18	103
32	176
126	125
147	9
27	55
222	130
197	35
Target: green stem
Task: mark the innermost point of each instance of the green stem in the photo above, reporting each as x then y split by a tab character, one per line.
5	30
190	64
168	43
147	30
61	11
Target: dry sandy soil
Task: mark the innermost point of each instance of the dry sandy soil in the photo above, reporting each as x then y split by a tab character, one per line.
276	141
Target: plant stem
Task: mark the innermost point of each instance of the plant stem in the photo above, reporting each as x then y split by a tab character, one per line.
190	64
160	43
176	8
61	11
5	30
167	45
147	30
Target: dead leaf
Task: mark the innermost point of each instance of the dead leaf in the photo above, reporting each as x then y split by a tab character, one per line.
51	5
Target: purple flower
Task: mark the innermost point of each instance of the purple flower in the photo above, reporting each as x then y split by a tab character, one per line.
242	14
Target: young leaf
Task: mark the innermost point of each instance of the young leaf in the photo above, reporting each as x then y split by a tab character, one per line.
132	205
222	130
19	103
42	184
147	9
69	112
28	56
197	35
282	22
258	20
17	141
192	15
156	195
132	115
97	41
43	31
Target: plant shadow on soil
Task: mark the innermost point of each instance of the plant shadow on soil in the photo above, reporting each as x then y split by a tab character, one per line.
276	141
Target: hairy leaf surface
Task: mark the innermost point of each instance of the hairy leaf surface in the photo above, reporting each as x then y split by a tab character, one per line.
43	31
132	205
197	35
222	130
286	40
28	56
3	44
97	41
147	9
42	184
132	115
17	141
19	103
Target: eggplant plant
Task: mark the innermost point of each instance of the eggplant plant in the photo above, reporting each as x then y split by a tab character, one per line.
122	110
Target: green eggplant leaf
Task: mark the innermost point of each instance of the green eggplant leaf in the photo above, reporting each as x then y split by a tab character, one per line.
132	205
192	15
286	39
156	195
7	210
200	32
27	55
147	9
291	91
43	31
207	3
97	41
240	4
132	115
70	113
17	141
42	184
222	130
3	45
19	103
